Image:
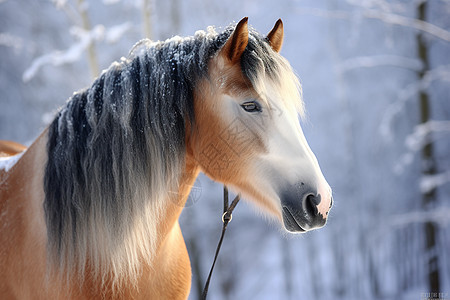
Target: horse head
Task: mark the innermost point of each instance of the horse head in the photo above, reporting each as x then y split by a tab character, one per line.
247	132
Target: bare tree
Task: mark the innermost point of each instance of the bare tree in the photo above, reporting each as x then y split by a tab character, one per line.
146	18
92	56
428	161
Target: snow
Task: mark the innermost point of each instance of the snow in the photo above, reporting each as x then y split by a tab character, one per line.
73	54
380	60
12	41
6	163
59	3
115	33
70	55
431	182
422	134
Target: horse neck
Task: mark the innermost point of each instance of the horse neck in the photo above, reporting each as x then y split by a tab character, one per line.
174	205
21	204
28	174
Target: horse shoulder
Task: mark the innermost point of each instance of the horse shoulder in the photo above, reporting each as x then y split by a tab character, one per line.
169	277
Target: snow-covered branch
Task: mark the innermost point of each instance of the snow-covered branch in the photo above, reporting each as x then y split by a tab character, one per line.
388	6
438	215
422	134
59	3
387	17
430	182
420	25
441	73
115	33
57	58
379	60
10	40
72	54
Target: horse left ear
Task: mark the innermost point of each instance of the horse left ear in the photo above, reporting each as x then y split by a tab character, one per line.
275	36
237	42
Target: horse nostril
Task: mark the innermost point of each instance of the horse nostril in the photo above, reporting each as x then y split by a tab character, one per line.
311	204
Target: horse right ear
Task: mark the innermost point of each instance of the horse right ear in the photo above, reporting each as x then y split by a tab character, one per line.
275	36
236	43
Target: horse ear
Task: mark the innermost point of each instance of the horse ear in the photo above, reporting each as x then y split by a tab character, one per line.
275	36
236	43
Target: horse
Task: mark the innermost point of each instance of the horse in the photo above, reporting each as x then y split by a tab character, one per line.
90	210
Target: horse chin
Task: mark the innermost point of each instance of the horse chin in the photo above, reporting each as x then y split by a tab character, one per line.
290	224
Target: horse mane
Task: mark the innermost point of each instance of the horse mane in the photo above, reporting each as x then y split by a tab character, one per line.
116	150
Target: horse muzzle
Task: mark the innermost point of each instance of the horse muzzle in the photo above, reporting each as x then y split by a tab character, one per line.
304	208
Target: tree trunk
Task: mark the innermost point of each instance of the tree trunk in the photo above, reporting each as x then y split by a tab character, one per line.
146	18
92	55
429	165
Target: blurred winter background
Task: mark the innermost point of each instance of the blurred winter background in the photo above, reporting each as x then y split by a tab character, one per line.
376	81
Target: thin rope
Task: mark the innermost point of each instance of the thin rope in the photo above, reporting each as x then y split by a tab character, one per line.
226	218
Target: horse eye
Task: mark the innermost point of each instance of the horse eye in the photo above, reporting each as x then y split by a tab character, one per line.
251	106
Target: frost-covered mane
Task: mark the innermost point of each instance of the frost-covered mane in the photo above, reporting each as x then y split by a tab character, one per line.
117	149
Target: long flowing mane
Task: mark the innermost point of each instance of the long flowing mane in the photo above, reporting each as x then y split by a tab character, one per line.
117	148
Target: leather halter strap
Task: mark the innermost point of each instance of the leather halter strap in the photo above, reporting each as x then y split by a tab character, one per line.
226	218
